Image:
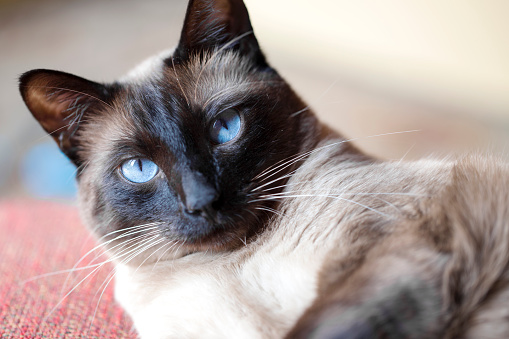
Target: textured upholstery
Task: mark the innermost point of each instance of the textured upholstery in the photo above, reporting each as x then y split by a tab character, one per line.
38	238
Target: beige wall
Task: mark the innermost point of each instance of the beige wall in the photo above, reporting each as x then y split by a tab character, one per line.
450	52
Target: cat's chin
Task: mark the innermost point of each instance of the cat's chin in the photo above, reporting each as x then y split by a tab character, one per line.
216	237
172	250
159	242
228	231
221	238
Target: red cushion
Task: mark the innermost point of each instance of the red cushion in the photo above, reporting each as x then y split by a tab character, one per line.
38	238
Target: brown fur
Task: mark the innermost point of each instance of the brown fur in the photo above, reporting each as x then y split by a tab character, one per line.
345	246
444	264
415	250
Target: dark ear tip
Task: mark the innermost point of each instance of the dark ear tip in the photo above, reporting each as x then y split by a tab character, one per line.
27	79
24	82
24	79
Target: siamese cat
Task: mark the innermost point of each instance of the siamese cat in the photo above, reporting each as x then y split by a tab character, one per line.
232	212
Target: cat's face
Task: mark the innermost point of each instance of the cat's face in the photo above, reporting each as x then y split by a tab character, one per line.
181	149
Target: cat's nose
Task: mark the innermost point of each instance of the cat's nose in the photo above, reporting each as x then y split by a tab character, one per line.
199	196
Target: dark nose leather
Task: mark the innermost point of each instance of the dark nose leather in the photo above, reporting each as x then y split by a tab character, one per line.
199	195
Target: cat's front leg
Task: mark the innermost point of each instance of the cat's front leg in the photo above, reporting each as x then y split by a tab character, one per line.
390	295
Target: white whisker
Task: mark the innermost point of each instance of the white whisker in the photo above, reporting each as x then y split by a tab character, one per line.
333	194
111	275
75	267
93	272
165	251
300	156
300	111
274	180
332	197
268	209
406	153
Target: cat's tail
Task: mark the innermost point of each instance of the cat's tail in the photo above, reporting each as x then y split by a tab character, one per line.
476	284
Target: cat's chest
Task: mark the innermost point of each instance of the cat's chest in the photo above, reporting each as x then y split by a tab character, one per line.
256	299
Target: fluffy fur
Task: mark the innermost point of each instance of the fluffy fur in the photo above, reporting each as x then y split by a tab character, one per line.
312	238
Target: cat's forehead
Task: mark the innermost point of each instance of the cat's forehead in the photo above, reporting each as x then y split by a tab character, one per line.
216	77
200	82
159	99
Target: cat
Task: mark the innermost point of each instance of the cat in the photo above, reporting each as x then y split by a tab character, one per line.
232	212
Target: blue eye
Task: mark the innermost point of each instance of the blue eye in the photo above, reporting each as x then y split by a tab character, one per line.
226	126
139	170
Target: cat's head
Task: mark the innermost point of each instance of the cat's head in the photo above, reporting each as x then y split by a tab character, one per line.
179	153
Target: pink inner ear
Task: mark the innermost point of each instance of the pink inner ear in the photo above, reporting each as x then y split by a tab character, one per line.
59	101
54	108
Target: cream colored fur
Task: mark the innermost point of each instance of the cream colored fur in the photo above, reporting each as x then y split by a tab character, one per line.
261	290
350	230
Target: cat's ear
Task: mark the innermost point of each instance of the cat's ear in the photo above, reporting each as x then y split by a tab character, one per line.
60	102
213	24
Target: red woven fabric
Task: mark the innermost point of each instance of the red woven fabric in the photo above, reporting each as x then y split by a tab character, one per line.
38	238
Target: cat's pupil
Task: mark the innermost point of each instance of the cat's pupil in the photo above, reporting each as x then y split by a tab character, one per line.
220	123
226	126
139	170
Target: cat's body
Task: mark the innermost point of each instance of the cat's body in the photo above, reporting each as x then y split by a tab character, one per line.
264	287
381	258
231	212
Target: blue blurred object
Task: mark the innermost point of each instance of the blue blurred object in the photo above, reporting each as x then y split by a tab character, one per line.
47	173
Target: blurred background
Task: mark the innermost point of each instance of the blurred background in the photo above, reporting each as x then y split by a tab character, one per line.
366	67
